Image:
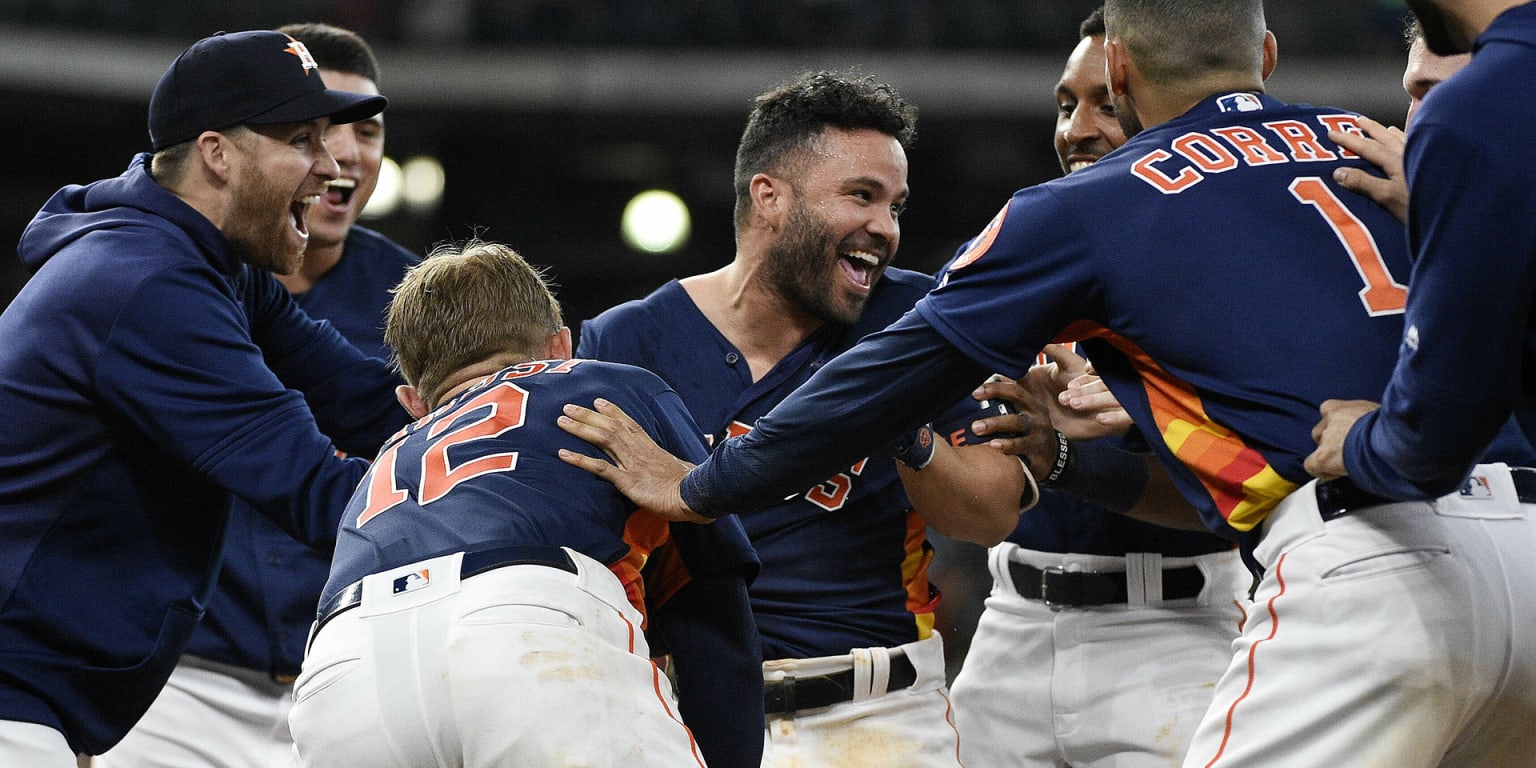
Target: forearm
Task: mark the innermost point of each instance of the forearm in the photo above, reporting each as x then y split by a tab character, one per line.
889	383
1123	481
972	493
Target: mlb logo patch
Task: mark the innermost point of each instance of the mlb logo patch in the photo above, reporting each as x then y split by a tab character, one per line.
1477	487
411	582
1239	102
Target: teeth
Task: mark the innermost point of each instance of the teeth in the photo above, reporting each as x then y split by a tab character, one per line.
342	183
1079	165
309	199
864	256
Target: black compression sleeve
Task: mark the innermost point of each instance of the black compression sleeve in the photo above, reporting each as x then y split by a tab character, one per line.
1104	474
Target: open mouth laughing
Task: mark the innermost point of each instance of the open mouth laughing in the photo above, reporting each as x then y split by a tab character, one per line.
338	192
861	267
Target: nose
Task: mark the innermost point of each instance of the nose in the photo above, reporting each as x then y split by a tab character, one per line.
324	165
886	226
342	143
1079	126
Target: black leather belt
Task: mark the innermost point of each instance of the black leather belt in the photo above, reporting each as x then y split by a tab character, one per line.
814	691
1056	587
475	562
1340	496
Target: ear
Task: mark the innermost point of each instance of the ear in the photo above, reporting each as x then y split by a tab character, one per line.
558	345
1117	65
769	199
411	399
1271	53
215	149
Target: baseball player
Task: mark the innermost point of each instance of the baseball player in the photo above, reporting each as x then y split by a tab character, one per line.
854	671
1103	636
486	601
235	680
154	369
1235	289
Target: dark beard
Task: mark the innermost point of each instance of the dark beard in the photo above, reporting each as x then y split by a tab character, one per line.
1125	115
1438	37
798	269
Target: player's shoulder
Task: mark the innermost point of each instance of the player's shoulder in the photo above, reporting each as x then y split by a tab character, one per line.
896	278
665	301
624	330
368	242
901	286
619	377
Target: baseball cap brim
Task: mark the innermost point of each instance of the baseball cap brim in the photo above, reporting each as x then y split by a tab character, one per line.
341	106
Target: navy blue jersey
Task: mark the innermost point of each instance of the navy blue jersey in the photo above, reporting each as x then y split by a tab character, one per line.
481	471
259	615
354	295
845	561
1234	288
1468	357
147	375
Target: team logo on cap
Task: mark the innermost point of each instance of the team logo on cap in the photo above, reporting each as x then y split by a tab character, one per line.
411	582
297	48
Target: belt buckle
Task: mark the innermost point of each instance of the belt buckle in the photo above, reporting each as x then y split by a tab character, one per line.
1045	591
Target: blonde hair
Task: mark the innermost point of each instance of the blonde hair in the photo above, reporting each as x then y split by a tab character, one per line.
466	304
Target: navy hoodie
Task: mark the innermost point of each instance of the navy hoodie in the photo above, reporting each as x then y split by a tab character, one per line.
146	375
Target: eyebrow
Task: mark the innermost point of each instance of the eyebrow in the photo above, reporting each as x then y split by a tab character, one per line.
877	184
1101	91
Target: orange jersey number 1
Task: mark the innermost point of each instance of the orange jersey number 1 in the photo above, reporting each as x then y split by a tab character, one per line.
1382	295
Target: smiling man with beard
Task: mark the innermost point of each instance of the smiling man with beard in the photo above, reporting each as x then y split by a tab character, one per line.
154	370
843	600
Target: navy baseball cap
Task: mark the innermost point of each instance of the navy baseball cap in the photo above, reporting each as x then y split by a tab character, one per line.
257	77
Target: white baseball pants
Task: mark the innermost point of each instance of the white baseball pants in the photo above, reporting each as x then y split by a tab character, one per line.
522	665
1397	635
1111	686
908	728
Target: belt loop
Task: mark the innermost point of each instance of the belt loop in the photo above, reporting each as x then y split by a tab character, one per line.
871	672
1143	578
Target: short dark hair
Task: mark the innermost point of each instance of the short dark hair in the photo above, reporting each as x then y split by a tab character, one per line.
786	120
1093	26
335	48
1179	41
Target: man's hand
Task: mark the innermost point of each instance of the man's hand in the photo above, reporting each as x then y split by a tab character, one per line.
1081	406
641	470
1383	147
1339	416
1027	432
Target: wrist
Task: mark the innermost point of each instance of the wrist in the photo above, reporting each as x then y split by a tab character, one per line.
915	449
1062	464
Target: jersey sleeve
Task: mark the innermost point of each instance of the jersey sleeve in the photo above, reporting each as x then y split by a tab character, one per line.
350	394
1033	254
1455	382
181	368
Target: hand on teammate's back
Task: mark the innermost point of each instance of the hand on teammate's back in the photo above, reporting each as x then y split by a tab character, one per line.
1383	147
641	470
